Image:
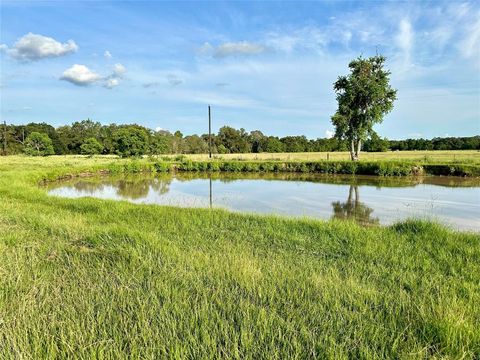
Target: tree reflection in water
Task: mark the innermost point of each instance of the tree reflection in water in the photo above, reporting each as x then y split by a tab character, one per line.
353	209
138	188
88	187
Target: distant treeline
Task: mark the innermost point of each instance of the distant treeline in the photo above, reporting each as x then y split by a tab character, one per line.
89	137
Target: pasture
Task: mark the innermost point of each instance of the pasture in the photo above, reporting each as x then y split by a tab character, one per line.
91	278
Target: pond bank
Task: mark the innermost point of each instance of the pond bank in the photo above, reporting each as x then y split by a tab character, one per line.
367	200
377	168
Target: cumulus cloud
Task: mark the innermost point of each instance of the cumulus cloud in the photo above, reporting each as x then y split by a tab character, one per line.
158	128
113	80
119	70
111	83
107	54
32	47
329	134
80	75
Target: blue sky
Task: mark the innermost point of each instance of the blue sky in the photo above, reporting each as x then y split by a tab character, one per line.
261	65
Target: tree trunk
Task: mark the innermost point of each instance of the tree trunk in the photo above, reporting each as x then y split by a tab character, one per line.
359	147
350	195
352	150
357	195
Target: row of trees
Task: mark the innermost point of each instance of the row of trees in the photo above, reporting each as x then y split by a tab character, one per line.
89	137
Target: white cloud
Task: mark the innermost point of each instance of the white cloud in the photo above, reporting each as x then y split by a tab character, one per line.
329	134
470	45
237	48
283	43
33	47
405	35
158	128
441	35
111	83
404	41
310	38
205	49
80	75
107	54
114	79
119	70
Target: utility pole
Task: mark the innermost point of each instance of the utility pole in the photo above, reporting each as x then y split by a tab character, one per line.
4	138
210	182
209	133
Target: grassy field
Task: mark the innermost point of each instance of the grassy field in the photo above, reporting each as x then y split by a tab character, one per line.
90	278
450	156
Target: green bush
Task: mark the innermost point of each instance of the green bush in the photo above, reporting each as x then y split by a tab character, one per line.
180	158
268	166
188	165
162	166
137	166
251	167
38	144
378	168
452	170
91	147
233	166
214	166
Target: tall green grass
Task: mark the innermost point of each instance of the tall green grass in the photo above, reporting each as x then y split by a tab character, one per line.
88	278
378	168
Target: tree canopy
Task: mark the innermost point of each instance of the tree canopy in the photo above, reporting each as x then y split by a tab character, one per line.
91	146
38	144
130	141
364	97
66	140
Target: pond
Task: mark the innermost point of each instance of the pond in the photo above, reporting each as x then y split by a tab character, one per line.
367	200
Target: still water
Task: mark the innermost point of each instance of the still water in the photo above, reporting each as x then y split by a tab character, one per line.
367	200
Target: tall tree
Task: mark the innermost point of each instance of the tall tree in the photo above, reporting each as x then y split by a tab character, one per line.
258	141
236	141
364	97
91	147
38	144
131	141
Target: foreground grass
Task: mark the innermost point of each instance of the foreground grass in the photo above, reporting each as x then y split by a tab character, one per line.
102	279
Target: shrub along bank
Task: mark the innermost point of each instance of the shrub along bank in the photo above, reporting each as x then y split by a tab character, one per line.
387	168
378	168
